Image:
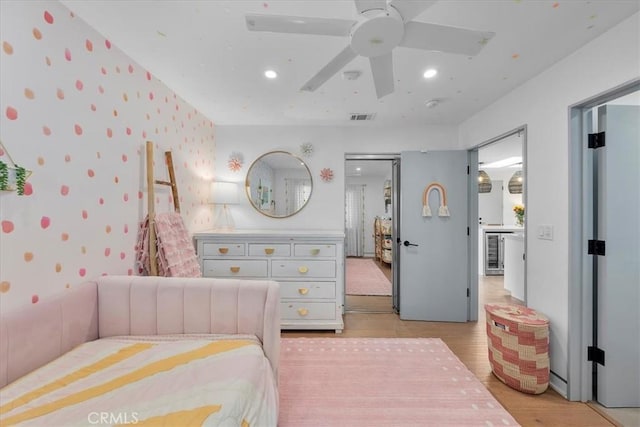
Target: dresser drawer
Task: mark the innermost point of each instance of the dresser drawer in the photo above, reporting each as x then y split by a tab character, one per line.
308	310
303	268
234	268
306	250
258	249
310	290
223	249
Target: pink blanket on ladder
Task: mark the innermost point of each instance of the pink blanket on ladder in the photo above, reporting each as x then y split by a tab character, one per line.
175	252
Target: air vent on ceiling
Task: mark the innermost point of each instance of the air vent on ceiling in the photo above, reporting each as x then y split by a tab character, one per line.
362	116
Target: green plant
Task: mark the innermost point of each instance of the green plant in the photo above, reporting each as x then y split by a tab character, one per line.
21	179
519	211
4	175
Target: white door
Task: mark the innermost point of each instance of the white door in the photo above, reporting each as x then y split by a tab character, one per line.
433	249
617	168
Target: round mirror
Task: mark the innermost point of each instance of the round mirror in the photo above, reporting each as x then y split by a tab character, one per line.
278	184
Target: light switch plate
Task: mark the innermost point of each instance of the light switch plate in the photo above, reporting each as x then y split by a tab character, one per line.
545	232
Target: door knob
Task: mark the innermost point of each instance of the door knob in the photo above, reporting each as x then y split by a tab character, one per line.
408	243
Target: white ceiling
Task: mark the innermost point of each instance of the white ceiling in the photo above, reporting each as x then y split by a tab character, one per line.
510	146
204	52
368	168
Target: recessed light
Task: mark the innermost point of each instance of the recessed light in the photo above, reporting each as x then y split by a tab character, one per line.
358	169
270	74
431	72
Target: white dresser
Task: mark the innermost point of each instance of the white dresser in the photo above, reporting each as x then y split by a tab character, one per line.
309	265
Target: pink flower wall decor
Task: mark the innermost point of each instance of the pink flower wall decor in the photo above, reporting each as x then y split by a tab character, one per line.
326	174
235	161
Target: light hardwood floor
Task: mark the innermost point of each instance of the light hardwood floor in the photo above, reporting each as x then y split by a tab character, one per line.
469	342
370	303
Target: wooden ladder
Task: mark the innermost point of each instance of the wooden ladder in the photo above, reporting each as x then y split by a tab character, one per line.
151	182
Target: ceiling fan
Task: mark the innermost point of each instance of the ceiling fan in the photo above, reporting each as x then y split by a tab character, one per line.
379	28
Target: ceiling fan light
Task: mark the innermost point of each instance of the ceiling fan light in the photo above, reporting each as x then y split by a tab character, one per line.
270	74
430	73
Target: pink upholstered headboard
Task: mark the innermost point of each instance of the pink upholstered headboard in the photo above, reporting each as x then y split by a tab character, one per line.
35	335
133	305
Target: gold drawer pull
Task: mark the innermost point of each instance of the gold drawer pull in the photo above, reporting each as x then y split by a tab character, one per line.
223	250
303	269
234	269
315	251
268	251
303	291
303	311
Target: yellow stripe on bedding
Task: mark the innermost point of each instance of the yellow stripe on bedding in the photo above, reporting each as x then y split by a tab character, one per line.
137	375
85	371
187	418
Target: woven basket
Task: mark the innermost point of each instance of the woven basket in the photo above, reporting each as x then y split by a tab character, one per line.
518	339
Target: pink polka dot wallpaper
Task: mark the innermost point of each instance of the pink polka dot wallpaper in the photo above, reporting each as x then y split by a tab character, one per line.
77	111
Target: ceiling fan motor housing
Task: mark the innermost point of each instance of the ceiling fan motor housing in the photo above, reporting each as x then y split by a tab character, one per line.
377	32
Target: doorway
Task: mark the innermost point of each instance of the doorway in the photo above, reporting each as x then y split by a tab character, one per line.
369	225
604	248
501	231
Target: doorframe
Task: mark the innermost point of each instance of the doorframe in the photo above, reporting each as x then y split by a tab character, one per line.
580	220
395	218
473	222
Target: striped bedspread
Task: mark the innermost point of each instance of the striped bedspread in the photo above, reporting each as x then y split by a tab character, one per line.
149	381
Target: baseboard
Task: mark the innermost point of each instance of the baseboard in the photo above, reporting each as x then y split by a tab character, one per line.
558	384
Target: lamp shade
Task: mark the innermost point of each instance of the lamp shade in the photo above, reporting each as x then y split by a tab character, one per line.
224	193
484	182
515	183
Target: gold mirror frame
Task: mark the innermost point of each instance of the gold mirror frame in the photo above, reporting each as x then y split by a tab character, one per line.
265	206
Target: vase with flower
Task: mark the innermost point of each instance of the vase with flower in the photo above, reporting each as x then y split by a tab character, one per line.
518	210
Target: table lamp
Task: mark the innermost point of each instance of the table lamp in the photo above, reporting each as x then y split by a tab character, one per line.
224	193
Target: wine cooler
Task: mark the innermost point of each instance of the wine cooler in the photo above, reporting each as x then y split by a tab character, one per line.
494	253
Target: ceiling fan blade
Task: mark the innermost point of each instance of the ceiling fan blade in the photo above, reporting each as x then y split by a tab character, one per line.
298	24
335	65
441	38
409	9
382	69
364	5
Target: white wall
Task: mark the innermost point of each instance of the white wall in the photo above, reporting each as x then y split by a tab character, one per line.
82	122
542	104
508	200
325	210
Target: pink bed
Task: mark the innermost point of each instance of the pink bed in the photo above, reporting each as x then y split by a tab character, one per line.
144	350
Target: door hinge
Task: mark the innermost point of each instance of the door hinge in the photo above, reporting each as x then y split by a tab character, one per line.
467	231
596	247
468	294
595	354
596	140
467	169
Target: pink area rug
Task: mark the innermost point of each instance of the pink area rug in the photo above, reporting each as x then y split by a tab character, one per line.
365	278
345	382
